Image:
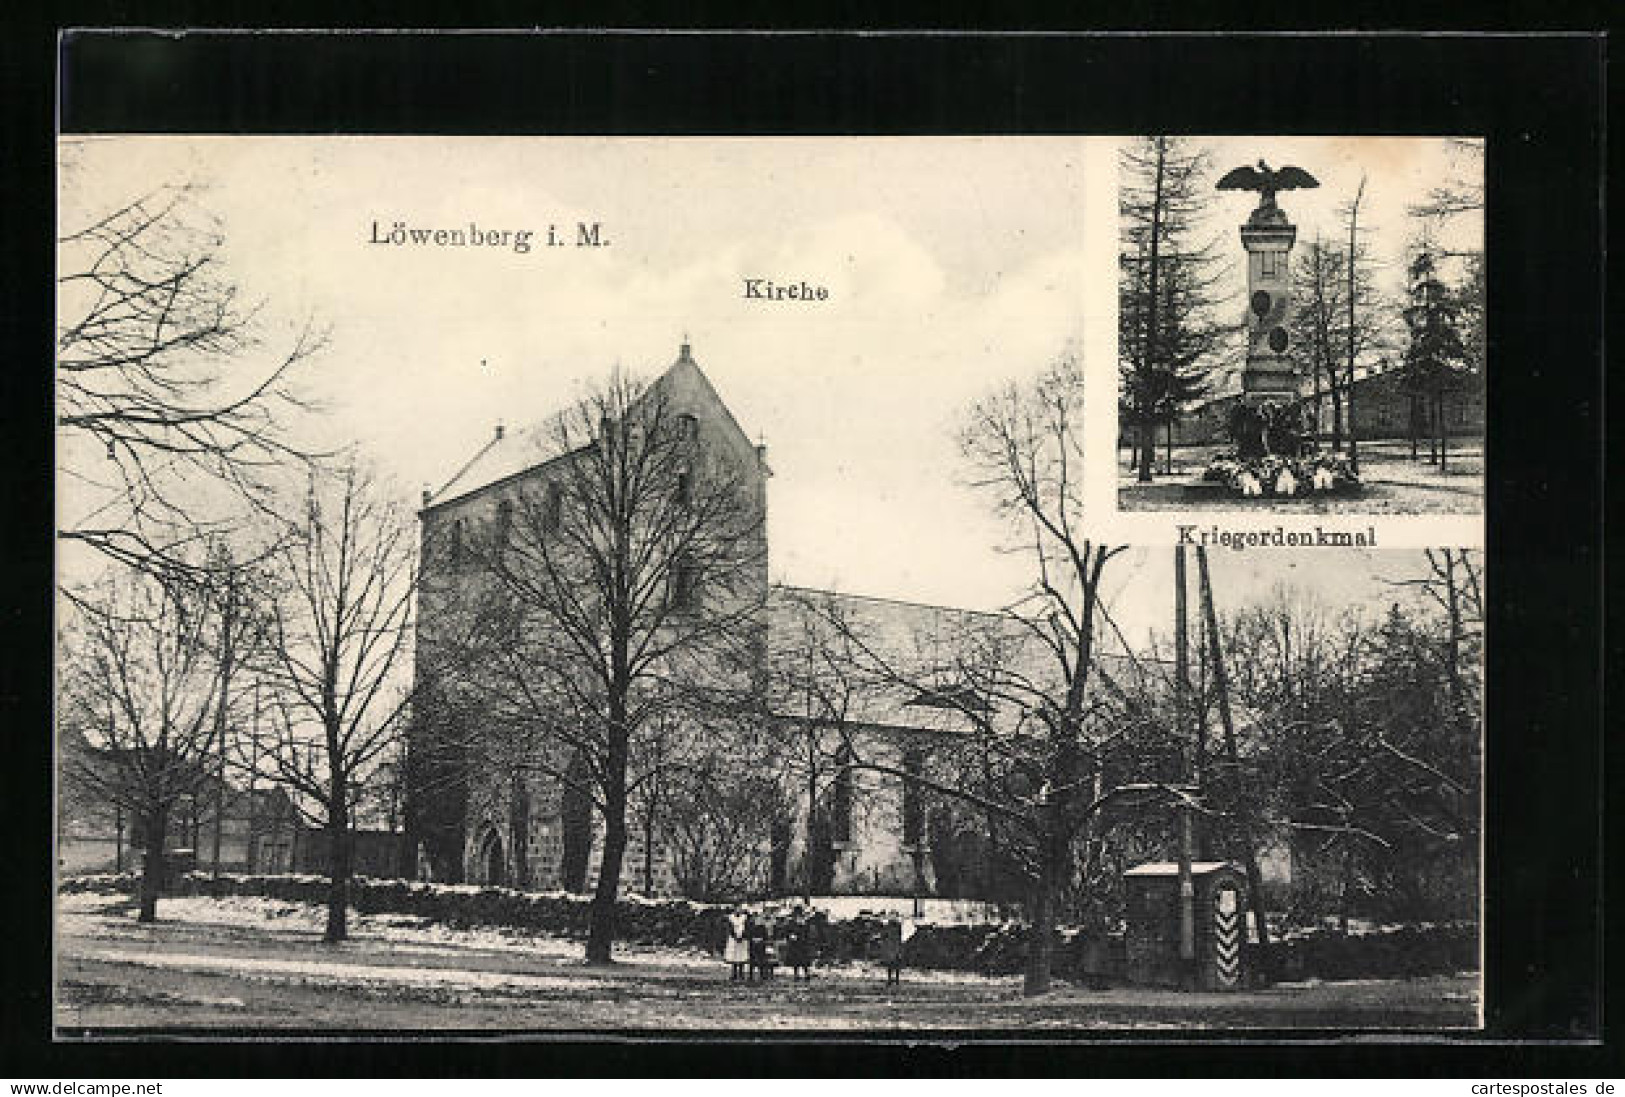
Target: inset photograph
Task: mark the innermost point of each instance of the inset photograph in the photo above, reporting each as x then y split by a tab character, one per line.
1301	325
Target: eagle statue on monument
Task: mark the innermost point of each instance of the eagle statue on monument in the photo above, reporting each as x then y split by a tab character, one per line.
1267	181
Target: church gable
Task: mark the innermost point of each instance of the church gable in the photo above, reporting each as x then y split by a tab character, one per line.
515	455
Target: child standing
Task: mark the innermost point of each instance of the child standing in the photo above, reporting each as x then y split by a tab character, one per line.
736	950
891	950
798	946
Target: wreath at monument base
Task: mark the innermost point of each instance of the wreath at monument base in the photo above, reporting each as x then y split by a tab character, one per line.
1282	477
1273	453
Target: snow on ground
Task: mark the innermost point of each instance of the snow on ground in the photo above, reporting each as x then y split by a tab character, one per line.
100	917
941	912
245	962
329	971
88	915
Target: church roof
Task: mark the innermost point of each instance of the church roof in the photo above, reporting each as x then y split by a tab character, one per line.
512	453
923	644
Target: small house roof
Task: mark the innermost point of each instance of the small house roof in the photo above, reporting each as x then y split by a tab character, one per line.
1171	868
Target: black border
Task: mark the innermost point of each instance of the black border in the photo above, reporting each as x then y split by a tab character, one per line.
1537	99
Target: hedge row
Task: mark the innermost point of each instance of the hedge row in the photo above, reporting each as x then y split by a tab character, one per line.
983	949
1402	952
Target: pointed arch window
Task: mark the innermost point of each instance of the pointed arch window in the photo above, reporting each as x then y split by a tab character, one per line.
553	508
455	548
685	582
841	797
913	795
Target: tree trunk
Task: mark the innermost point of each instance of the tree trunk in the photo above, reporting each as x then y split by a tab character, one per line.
339	866
812	823
1351	293
152	873
1041	946
649	853
1148	357
1168	450
1345	888
1444	435
601	928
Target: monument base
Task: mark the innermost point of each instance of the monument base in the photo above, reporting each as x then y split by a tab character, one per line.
1280	477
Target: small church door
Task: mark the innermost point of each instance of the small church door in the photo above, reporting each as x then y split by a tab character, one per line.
490	865
575	821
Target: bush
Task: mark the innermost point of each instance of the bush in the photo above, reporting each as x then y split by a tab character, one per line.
1402	952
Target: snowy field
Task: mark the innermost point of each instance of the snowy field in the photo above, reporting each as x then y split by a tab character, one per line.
940	912
251	964
1393	484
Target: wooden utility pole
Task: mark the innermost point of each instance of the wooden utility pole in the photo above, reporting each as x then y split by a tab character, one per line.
250	846
1187	887
1221	689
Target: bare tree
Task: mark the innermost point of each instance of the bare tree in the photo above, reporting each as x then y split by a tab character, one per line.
621	589
339	630
143	688
1025	687
1462	192
816	692
1317	325
1352	294
167	387
1365	744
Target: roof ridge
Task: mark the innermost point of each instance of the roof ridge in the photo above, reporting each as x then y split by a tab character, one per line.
458	475
442	495
898	601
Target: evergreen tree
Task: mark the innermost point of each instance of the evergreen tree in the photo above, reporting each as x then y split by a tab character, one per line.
1169	287
1436	360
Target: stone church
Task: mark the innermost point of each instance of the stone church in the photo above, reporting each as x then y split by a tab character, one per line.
874	832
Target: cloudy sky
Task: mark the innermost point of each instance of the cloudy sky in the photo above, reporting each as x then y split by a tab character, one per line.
951	264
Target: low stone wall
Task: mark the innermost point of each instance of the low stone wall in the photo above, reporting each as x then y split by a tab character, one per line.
981	949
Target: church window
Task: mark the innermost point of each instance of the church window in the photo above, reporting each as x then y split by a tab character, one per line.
504	530
841	796
913	796
688	427
685	488
685	581
455	550
553	514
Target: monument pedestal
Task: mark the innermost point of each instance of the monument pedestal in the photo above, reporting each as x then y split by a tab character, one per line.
1270	373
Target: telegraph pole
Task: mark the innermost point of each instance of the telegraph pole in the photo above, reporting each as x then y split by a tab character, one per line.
1221	686
1187	887
251	853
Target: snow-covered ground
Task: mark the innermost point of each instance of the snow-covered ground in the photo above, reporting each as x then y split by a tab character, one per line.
98	917
253	964
941	912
